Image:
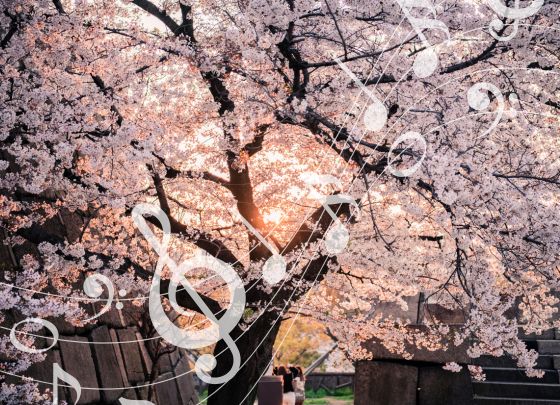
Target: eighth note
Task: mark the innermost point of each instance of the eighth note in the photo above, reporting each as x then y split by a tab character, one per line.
427	60
274	268
338	236
376	114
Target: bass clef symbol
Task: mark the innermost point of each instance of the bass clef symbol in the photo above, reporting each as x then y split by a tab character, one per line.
219	329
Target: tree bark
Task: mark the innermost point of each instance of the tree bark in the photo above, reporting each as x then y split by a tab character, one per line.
256	354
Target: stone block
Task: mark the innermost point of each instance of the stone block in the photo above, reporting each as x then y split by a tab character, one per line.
556	362
452	353
43	371
549	346
385	383
166	390
77	360
107	365
437	386
131	355
184	379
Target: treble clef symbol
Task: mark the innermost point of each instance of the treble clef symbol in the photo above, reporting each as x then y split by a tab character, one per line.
219	329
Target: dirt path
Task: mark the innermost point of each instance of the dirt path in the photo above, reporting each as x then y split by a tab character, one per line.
338	402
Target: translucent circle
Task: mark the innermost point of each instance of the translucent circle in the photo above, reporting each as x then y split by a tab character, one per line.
122	292
425	63
274	269
119	305
206	363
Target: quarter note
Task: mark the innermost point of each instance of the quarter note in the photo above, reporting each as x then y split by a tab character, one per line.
274	268
427	60
375	116
60	374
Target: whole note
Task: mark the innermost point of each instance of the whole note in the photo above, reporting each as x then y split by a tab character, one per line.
375	116
219	329
60	374
274	268
411	135
50	326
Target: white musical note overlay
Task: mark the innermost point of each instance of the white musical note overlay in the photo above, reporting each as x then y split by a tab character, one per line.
92	288
375	116
427	60
408	136
219	329
478	99
60	374
46	324
125	401
515	14
274	268
337	237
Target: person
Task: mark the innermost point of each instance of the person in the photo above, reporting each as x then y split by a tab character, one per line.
299	386
289	397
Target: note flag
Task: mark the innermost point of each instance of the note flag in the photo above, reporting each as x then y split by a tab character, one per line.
60	374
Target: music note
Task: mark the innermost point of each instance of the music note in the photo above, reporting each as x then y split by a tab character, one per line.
274	268
479	100
411	135
60	374
125	401
513	13
92	288
337	237
375	116
46	324
219	329
427	60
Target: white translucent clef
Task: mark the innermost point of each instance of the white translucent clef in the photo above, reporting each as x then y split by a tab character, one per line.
219	329
125	401
513	13
337	237
46	324
375	116
274	268
60	374
93	288
408	136
478	99
426	61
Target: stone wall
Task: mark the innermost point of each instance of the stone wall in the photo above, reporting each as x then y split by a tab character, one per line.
112	363
410	383
329	381
391	380
111	358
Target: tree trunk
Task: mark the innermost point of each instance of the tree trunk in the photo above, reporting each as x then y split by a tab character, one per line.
255	346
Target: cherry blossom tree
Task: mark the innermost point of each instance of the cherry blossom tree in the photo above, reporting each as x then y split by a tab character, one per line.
218	111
